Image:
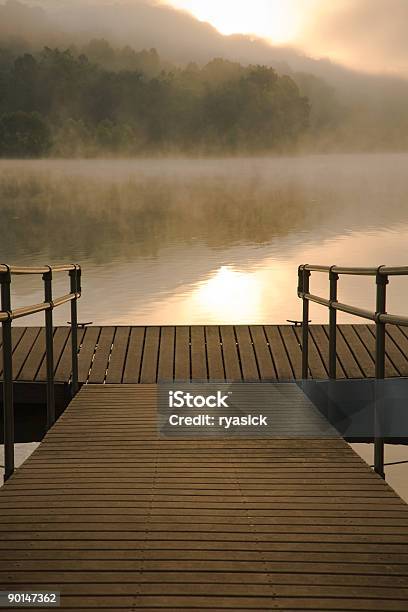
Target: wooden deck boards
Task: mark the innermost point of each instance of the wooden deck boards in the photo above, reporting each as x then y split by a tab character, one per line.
116	518
148	355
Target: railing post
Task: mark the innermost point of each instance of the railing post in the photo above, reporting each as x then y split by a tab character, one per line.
333	277
75	279
8	401
49	343
305	324
381	282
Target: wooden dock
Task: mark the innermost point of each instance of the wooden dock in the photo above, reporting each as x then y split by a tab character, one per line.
145	355
118	519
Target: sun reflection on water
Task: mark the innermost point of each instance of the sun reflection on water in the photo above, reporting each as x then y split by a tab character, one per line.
229	294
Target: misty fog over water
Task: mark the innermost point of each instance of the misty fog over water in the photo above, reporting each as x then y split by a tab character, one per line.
175	241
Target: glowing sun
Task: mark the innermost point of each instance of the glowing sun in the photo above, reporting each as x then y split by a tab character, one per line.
276	20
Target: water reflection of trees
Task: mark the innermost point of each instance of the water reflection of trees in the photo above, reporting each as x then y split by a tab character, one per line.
136	216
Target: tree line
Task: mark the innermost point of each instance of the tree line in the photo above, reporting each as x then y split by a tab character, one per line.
96	101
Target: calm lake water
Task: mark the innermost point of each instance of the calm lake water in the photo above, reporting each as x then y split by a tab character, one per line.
208	241
205	241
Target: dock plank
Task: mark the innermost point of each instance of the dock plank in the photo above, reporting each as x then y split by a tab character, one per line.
100	362
230	354
182	354
63	371
118	355
23	349
246	354
394	360
401	342
34	358
293	349
133	363
214	353
86	353
359	350
150	356
393	350
317	367
321	341
279	355
198	353
166	355
367	336
61	335
346	356
16	334
262	353
132	521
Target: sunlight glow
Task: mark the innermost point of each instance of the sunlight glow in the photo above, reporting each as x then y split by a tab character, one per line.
279	21
229	295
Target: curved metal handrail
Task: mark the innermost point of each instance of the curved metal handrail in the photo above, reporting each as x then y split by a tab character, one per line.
8	315
379	316
358	271
18	270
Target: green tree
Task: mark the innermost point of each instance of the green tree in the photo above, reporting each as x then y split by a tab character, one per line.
24	135
73	139
259	111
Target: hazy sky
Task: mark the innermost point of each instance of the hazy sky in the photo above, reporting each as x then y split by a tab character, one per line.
367	35
364	34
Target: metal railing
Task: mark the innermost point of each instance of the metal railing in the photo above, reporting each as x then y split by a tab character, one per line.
8	315
380	318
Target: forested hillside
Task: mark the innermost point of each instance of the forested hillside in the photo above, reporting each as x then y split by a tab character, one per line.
61	103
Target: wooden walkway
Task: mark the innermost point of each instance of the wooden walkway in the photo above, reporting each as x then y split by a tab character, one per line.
248	353
116	518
